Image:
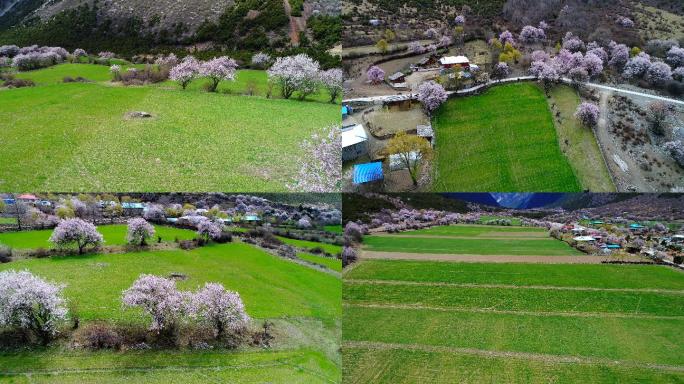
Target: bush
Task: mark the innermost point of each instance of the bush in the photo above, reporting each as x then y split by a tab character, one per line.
5	254
187	244
79	79
19	83
225	237
39	253
316	250
100	336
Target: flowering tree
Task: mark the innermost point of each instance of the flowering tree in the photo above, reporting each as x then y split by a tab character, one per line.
658	73
139	230
159	298
506	37
75	231
678	74
106	55
624	22
530	34
78	52
167	62
431	95
29	303
115	70
539	55
572	43
445	41
209	229
375	75
675	57
332	80
546	72
304	223
353	232
593	64
221	309
619	55
431	33
348	255
460	20
543	25
155	213
218	69
501	71
9	50
320	169
588	114
295	74
261	60
185	72
415	47
597	50
637	66
578	75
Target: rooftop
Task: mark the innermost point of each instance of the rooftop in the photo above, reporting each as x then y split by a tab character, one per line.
353	135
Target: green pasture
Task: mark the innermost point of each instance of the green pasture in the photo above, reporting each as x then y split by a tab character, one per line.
328	262
305	244
465	230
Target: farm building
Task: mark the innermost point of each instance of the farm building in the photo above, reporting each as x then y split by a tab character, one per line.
354	142
133	209
449	62
428	61
427	132
398	80
27	198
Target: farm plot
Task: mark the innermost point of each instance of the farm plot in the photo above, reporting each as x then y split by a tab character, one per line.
479	231
302	302
194	141
436	322
503	140
113	235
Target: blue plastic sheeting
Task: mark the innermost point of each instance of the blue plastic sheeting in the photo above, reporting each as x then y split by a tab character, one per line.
366	173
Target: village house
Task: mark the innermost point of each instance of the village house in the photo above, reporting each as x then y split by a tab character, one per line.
398	80
133	209
27	198
450	62
354	142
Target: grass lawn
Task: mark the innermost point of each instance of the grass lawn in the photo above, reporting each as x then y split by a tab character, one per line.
303	303
475	231
514	220
333	228
113	235
503	140
540	324
329	248
579	144
328	262
57	73
196	141
8	220
545	247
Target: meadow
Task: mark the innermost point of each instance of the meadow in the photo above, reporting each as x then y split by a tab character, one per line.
114	234
503	140
438	322
477	231
469	246
301	301
329	248
195	141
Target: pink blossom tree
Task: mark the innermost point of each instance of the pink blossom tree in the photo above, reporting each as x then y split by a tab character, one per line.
332	80
221	309
619	55
445	41
588	114
460	20
139	230
547	73
501	71
30	303
295	74
572	43
76	231
261	60
160	299
185	72
624	22
217	70
353	232
9	51
375	75
320	167
658	73
304	223
530	34
208	229
431	95
348	255
593	64
678	74
506	37
415	47
155	213
675	57
637	66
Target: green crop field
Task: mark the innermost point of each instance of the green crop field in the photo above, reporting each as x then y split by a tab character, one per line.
476	231
113	235
465	246
302	302
333	228
503	140
514	220
194	141
438	322
329	248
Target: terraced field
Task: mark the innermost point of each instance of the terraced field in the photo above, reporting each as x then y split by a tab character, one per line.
301	301
441	322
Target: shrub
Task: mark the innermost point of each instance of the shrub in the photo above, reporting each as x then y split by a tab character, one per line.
187	244
100	336
225	237
19	83
5	254
588	114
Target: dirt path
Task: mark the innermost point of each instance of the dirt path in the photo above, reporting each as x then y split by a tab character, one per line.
509	286
294	33
562	359
600	315
466	258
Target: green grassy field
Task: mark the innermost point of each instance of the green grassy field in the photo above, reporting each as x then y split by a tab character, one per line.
579	144
503	140
475	231
8	220
329	248
328	262
113	235
514	220
333	228
437	322
196	141
303	303
465	246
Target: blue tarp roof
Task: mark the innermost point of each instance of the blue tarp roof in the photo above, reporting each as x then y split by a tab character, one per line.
365	173
636	226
